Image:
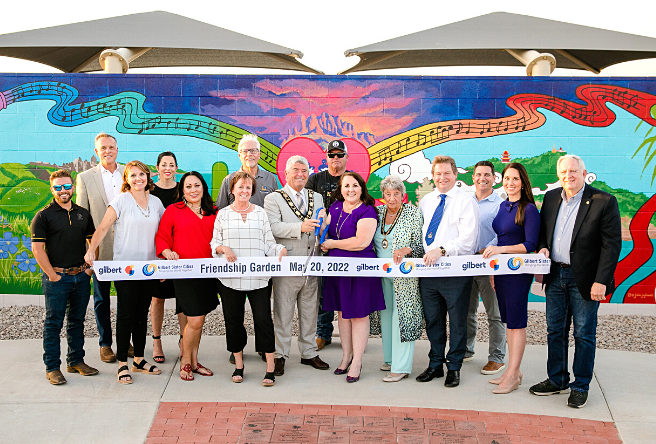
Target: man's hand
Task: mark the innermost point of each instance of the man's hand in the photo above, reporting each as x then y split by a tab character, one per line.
545	252
283	252
432	256
54	278
309	225
598	292
89	271
492	282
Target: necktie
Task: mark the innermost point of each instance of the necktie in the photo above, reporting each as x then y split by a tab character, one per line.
435	221
299	203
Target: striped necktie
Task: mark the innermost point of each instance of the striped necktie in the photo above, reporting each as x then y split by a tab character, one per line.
435	221
299	203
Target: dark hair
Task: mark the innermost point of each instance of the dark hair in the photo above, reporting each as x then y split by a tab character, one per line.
60	173
206	203
165	154
150	186
526	191
242	175
365	197
484	163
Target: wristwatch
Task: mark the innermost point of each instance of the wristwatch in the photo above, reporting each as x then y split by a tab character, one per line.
443	251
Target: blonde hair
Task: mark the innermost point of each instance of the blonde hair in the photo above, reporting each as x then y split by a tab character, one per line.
444	159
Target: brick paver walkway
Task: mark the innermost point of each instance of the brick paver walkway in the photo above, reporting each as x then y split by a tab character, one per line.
243	423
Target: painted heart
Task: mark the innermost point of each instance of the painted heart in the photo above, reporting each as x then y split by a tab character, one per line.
358	156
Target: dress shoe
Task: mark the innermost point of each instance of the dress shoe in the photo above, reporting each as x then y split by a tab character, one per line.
497	381
315	362
430	373
501	390
106	354
321	343
395	377
468	358
280	366
452	378
56	377
341	371
492	368
82	369
546	388
130	351
386	367
577	400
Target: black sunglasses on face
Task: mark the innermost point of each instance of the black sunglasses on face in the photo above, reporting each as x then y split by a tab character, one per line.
333	155
66	186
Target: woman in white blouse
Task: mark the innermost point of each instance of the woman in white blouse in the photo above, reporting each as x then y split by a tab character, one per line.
242	229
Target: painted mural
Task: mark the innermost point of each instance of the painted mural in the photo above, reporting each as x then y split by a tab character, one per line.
391	125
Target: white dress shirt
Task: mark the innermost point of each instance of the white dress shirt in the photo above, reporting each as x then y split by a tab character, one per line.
458	230
112	182
292	193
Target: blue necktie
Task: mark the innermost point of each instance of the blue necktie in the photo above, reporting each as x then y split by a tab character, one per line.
435	221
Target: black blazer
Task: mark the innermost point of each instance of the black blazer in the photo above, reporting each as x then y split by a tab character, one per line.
596	240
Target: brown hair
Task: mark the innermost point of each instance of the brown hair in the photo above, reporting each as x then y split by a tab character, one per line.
444	159
150	186
365	197
60	173
484	163
526	192
242	175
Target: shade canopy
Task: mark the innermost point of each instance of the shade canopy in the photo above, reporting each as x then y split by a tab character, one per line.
174	41
481	41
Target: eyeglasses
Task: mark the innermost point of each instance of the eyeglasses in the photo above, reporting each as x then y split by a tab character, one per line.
66	186
250	151
338	155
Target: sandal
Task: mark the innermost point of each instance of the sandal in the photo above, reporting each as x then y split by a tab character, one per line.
152	370
189	376
124	379
270	376
161	358
179	341
199	367
239	372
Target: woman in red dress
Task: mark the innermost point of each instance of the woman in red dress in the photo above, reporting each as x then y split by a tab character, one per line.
185	232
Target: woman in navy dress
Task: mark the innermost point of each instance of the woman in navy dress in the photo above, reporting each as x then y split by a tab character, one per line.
517	226
352	222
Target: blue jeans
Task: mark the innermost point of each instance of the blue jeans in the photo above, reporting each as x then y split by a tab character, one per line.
564	303
67	297
101	308
324	318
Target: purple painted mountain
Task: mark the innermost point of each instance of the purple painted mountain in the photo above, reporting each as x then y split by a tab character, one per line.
325	127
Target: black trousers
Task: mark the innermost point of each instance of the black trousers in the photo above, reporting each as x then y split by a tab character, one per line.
440	296
233	302
133	303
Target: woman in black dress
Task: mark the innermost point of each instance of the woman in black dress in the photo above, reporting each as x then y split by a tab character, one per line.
166	189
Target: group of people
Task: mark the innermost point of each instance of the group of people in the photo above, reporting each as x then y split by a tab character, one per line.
122	215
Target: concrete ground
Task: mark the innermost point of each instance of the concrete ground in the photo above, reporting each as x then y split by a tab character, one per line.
98	409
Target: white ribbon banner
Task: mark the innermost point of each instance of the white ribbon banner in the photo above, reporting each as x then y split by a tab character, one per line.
473	265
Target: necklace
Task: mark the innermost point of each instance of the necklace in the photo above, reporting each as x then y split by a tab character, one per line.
147	214
339	229
242	211
382	226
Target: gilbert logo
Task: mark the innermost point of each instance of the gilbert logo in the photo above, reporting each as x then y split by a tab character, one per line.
129	270
149	269
514	263
494	264
387	267
406	267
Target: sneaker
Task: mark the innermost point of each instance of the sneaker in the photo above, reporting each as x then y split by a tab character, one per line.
577	400
468	358
492	368
546	388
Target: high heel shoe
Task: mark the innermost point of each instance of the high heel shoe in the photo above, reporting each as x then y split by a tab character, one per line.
502	391
341	371
497	381
354	378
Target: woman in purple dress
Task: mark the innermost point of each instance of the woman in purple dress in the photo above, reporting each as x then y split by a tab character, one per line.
517	226
352	222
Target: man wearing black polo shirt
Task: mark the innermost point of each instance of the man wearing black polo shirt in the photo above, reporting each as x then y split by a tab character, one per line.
59	241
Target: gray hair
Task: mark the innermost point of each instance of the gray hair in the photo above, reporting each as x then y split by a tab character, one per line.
248	138
103	134
570	156
296	159
392	182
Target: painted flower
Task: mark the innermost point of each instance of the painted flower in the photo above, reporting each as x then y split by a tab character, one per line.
27	242
25	262
8	244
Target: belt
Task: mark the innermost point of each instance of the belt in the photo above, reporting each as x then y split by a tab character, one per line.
560	264
72	270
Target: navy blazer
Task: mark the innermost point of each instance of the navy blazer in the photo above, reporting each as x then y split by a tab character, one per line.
596	240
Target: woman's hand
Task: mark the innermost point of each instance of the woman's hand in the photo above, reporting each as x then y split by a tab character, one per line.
328	244
492	250
90	257
322	213
170	255
283	252
228	253
399	254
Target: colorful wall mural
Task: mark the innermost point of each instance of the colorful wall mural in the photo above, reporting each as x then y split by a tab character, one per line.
390	125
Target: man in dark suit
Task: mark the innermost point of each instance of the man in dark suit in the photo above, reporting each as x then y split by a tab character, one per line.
581	233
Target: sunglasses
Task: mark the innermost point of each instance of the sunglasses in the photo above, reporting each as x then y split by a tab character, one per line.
338	155
66	186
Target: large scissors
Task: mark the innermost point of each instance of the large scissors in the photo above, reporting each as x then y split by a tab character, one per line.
317	231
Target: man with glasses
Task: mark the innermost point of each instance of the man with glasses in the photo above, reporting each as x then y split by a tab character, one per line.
95	189
324	183
249	155
60	233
